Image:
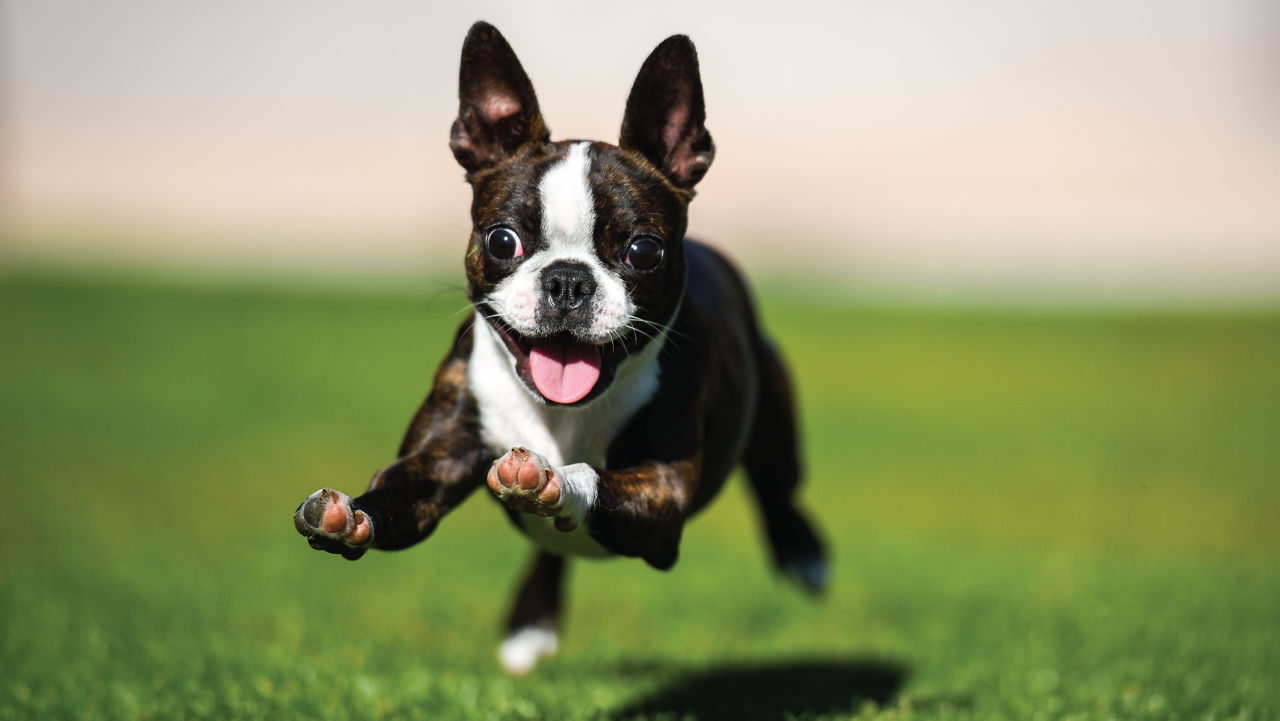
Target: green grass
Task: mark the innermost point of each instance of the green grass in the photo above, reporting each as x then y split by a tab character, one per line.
1033	516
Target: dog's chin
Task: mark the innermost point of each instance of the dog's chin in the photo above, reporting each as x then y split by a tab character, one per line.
560	368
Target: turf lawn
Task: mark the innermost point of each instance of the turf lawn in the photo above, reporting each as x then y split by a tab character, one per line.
1033	515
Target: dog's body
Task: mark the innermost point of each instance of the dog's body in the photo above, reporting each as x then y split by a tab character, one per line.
612	367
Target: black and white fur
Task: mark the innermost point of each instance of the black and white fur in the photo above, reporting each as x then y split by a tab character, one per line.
613	373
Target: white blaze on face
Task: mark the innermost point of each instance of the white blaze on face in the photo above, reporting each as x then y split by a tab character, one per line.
568	210
568	233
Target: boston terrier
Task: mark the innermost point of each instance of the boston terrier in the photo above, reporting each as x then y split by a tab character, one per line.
613	372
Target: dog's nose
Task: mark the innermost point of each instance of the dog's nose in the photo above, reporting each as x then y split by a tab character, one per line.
567	285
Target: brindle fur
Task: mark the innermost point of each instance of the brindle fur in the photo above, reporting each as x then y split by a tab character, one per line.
724	399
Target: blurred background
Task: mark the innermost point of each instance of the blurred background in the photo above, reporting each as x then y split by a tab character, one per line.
1023	258
1065	150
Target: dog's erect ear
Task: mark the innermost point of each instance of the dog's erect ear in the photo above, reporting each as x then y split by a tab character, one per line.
665	115
497	110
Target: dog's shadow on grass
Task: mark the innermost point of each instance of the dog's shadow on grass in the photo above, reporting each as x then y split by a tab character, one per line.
771	691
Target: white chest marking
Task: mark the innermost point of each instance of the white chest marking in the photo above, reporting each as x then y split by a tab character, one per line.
573	439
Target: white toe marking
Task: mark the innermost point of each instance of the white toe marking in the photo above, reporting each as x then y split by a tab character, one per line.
579	484
523	649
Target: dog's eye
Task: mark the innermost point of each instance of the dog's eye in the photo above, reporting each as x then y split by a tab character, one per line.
644	253
503	243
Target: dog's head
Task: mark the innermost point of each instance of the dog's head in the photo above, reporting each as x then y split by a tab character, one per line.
576	256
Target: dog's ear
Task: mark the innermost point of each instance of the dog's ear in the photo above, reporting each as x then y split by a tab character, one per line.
665	115
497	110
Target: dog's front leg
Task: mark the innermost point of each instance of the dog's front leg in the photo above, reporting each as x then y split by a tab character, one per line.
440	464
637	511
403	505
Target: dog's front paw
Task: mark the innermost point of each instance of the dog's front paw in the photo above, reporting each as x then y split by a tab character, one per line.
526	482
332	524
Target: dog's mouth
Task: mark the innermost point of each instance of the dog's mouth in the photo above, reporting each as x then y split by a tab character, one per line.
561	367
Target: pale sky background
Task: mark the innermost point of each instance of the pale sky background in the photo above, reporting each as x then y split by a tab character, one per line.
1081	149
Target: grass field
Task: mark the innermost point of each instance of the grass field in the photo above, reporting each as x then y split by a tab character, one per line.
1033	515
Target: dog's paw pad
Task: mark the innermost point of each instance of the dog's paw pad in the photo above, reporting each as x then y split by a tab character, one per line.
330	523
526	482
505	473
361	532
336	518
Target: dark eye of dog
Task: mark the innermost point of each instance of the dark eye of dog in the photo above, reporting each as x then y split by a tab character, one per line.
645	253
503	243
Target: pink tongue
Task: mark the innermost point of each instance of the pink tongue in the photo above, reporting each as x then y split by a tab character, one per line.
564	370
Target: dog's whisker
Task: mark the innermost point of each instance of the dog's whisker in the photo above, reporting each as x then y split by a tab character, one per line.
461	311
534	379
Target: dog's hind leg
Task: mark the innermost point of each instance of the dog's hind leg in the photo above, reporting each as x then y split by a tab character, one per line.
772	464
534	623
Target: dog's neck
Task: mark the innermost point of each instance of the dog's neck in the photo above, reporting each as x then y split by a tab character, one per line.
511	415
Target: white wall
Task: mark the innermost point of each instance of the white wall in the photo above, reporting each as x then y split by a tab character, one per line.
1023	147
